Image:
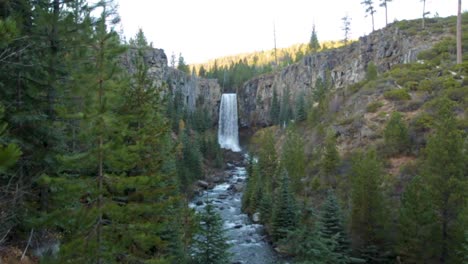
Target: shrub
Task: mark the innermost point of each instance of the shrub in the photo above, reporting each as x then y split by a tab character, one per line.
423	122
425	85
396	135
412	85
371	73
397	95
374	106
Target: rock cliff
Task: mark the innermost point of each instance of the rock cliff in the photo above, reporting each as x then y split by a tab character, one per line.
198	92
344	66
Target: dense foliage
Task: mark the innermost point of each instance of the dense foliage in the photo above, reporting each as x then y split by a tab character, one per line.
93	156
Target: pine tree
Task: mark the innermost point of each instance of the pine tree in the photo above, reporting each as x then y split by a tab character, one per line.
285	115
301	113
332	229
384	3
330	161
459	34
293	158
275	109
371	71
367	200
309	246
10	153
445	167
284	213
314	44
370	10
396	136
210	246
417	224
319	90
182	66
267	157
346	28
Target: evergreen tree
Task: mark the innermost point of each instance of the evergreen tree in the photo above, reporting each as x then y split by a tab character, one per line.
301	113
370	10
293	158
10	153
314	44
445	167
309	246
396	137
267	157
332	229
371	71
182	66
285	110
275	109
459	34
346	28
249	203
330	161
384	3
284	213
319	92
265	206
367	200
210	246
417	224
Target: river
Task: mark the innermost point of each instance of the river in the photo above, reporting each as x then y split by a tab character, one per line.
247	239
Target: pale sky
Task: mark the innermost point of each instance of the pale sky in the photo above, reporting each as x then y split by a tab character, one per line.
207	29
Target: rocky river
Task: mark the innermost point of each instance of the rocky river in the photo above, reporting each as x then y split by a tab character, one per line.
247	239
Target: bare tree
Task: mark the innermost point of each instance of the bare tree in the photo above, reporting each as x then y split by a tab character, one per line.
459	33
346	28
370	10
384	3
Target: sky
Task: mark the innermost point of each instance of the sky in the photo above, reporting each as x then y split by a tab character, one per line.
206	29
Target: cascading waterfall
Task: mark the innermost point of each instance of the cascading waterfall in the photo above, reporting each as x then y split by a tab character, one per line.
228	134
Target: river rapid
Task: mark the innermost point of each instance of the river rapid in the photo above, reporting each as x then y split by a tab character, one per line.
247	239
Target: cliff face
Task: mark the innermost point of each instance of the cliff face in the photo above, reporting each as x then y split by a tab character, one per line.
344	66
197	92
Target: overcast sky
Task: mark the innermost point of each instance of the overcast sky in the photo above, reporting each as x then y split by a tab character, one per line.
206	29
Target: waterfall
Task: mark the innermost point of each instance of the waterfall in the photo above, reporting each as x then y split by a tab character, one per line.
228	134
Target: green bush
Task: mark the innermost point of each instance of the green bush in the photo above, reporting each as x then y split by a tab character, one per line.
422	122
374	106
397	95
371	72
425	85
412	85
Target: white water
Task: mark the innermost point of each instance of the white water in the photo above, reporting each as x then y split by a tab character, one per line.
228	130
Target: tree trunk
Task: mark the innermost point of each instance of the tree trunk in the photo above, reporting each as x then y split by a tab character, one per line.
386	15
424	14
444	252
99	202
459	34
372	22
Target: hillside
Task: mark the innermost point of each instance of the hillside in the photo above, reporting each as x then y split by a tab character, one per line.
382	124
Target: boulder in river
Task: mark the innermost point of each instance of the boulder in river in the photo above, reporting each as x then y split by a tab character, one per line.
256	217
199	203
223	196
203	184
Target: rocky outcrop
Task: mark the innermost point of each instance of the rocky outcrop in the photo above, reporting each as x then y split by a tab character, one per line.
343	66
197	92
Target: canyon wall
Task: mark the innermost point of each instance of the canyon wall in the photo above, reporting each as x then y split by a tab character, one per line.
197	92
343	66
